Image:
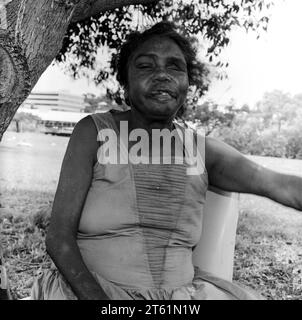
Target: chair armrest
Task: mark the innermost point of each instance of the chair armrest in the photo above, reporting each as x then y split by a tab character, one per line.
215	251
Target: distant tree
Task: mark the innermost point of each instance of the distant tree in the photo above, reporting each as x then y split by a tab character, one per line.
276	108
92	102
211	116
298	98
272	129
294	143
241	133
23	117
96	103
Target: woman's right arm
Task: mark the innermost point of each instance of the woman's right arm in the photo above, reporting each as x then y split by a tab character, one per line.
74	182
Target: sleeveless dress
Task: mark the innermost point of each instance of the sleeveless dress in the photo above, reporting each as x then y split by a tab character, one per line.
139	225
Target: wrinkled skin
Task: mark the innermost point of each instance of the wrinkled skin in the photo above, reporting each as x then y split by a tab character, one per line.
158	79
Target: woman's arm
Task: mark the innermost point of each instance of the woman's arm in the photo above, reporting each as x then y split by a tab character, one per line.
230	170
73	186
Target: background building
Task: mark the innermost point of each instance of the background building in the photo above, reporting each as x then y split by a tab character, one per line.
58	112
54	101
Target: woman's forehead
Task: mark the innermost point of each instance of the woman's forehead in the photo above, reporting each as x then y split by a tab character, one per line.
161	46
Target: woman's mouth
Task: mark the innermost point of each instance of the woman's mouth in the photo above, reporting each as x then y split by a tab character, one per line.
161	95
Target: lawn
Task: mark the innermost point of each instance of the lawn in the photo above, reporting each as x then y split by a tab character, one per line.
268	254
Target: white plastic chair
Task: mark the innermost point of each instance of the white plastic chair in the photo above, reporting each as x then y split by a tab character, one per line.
215	250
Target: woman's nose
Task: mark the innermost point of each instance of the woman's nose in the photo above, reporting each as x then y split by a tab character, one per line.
161	74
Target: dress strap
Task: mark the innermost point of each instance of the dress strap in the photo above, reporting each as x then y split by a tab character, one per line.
107	128
194	145
103	121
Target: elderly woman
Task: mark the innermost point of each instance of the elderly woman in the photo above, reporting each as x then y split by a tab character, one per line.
127	229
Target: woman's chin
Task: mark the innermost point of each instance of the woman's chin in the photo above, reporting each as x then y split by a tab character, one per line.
158	111
162	114
163	111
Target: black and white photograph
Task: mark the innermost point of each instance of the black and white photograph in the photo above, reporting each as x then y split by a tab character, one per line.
151	150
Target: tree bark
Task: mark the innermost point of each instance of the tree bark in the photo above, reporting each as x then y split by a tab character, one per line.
31	34
90	8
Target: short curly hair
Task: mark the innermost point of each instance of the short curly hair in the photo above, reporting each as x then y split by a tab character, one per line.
196	70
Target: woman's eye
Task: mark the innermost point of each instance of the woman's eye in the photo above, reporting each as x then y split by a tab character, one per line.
174	67
145	66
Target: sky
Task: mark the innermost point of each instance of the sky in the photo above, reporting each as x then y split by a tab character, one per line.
255	65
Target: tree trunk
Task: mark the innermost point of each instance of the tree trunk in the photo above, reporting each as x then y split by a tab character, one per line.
31	34
90	8
17	126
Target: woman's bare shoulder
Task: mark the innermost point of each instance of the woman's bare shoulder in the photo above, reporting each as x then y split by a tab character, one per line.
83	141
86	126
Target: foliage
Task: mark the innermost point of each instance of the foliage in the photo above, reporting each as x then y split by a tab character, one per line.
293	148
272	129
25	116
28	121
91	102
210	20
270	143
210	115
276	107
240	134
102	102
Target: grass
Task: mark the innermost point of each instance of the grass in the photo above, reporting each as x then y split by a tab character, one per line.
23	230
268	253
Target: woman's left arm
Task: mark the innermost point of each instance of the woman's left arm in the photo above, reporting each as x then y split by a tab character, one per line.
230	170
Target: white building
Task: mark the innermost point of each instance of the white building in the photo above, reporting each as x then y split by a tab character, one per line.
54	101
59	111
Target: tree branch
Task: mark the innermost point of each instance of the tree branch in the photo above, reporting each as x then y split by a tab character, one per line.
31	35
90	8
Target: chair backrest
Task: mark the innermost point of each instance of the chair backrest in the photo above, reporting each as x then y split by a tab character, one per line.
215	250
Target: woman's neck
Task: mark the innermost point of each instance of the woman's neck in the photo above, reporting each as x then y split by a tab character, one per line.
141	121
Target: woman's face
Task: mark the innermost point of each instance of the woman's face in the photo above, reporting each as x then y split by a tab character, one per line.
157	78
